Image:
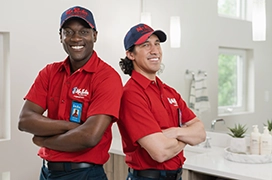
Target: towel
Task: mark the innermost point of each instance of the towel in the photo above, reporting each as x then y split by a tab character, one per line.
198	99
192	94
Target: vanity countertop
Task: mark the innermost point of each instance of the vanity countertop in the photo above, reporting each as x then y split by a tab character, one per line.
213	162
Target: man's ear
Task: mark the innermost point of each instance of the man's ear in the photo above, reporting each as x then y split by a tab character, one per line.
95	35
60	35
130	55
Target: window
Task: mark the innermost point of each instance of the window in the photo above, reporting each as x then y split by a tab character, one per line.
232	81
238	9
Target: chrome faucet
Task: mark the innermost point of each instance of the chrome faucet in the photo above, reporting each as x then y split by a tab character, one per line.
207	142
215	121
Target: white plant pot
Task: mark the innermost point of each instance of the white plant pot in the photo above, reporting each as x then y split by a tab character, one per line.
238	145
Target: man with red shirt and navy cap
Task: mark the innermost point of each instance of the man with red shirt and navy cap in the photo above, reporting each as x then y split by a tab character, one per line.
73	147
154	121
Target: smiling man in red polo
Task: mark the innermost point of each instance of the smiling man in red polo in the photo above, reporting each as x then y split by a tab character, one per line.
73	147
155	122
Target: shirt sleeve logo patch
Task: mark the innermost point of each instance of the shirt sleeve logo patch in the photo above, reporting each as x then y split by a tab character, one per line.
172	101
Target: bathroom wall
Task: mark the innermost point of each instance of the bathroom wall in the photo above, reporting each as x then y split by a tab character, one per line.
202	33
34	41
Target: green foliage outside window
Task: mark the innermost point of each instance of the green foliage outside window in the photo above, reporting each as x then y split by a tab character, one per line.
227	7
227	84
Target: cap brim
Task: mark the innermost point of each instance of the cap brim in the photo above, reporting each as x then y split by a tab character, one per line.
160	34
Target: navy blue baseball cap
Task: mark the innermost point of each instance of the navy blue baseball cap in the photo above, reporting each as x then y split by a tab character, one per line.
139	33
78	12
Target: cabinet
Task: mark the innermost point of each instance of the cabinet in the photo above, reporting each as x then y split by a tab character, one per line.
193	175
116	169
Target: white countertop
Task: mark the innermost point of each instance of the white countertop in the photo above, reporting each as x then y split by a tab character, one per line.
213	162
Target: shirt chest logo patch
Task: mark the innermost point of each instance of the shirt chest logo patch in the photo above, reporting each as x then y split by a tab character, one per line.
172	101
80	93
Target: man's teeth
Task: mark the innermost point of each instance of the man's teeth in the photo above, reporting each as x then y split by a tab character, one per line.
77	47
154	59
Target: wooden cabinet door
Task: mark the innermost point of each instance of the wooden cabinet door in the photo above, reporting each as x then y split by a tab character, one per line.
120	168
108	167
185	174
116	168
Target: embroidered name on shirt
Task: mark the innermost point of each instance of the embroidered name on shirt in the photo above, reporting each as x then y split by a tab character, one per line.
173	101
79	93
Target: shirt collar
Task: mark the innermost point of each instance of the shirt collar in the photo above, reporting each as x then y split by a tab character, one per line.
143	81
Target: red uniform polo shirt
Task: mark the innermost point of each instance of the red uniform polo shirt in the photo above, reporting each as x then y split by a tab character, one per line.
147	108
96	85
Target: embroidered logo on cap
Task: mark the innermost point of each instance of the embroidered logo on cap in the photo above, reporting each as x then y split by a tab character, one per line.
144	29
77	11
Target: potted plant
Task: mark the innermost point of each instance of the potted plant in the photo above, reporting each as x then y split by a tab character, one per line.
269	125
238	142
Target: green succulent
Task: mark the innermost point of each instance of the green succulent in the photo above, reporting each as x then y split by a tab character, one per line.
269	125
238	131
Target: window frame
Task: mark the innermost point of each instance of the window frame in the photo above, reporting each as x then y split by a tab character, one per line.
244	10
2	85
5	86
242	82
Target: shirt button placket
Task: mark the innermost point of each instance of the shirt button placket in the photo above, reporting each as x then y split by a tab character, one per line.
64	95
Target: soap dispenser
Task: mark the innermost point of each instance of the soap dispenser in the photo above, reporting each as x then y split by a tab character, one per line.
255	140
265	142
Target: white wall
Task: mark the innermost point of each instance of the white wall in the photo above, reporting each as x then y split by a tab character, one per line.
202	32
33	27
34	42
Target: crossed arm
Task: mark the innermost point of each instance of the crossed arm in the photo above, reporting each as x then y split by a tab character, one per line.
61	135
164	146
192	133
160	147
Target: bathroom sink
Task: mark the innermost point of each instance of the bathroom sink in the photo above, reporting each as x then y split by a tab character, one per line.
194	150
214	140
